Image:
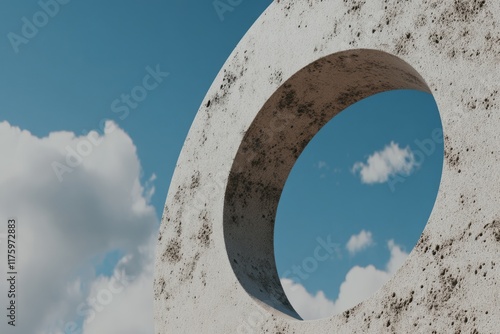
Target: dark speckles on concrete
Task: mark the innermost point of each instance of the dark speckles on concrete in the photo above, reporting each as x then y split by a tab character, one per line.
276	78
282	329
493	228
353	6
173	252
435	38
159	287
205	230
405	44
178	194
195	180
420	21
452	157
178	222
189	268
465	10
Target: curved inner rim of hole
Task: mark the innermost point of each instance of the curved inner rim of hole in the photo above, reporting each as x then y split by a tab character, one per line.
291	117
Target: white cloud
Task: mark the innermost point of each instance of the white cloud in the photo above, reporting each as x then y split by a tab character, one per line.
326	169
398	256
133	305
322	164
307	305
359	284
100	206
381	165
359	242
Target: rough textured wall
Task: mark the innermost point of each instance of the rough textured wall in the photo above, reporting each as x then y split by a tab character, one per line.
215	268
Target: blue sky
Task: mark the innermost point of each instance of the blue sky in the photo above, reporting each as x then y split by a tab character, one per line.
67	76
146	66
326	196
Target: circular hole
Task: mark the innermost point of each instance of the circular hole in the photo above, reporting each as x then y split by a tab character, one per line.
357	201
281	130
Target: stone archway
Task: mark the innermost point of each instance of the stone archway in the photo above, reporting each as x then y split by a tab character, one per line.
299	65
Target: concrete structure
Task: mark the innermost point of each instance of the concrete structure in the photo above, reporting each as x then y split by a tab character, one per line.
300	64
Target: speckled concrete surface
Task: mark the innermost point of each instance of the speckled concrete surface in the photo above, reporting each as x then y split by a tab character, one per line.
299	65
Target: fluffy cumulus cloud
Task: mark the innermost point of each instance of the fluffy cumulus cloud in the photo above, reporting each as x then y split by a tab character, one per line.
75	199
359	242
358	285
308	306
381	165
131	302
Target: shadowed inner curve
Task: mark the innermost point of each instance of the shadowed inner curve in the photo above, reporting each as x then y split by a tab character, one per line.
291	117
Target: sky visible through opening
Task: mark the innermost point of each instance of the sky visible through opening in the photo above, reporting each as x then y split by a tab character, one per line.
364	186
140	70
